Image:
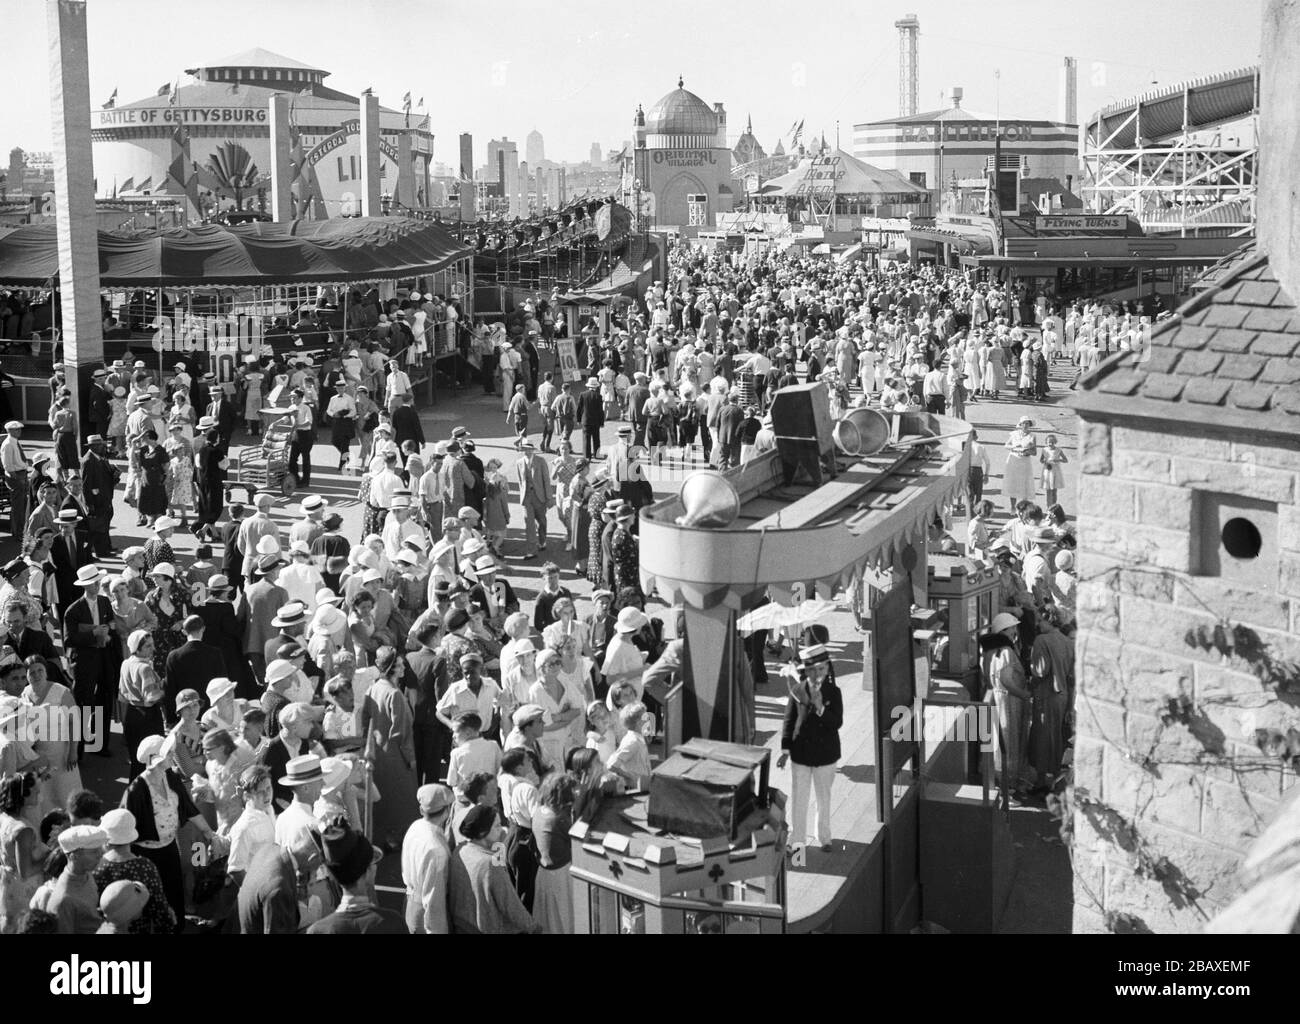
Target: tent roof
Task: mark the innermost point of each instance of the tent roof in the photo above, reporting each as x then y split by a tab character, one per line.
339	250
258	58
848	176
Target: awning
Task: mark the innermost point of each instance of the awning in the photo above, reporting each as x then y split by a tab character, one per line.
335	251
1092	261
938	236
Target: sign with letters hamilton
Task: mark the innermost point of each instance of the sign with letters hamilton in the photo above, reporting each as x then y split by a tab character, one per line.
1076	223
131	117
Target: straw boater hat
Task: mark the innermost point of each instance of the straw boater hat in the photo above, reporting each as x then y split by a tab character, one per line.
302	770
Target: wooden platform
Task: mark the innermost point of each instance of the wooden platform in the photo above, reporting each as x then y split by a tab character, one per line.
816	891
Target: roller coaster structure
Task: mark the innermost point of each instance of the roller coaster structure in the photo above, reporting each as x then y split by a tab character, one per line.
1181	159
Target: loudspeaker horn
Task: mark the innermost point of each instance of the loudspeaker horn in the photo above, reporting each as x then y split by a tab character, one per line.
862	432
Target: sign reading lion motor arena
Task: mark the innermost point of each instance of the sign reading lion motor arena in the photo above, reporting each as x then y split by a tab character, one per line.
128	117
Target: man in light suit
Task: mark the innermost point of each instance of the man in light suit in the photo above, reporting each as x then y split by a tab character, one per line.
257	608
535	495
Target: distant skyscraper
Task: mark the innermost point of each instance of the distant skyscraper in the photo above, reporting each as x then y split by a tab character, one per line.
534	148
501	145
596	160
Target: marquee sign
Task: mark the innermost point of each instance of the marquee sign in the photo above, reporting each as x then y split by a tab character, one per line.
131	117
976	131
684	158
333	142
1076	223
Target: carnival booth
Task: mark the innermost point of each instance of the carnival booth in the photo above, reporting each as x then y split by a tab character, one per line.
703	852
208	295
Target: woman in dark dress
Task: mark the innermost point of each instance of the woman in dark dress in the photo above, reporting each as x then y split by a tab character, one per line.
153	488
595	513
209	484
170	610
222	630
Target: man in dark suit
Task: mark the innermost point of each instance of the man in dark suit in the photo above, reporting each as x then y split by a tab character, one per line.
406	422
426	681
101	413
492	594
591	415
637	396
94	648
232	559
69	552
191	666
98	480
476	492
27	642
731	419
222	410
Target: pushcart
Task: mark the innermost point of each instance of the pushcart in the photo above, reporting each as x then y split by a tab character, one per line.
266	467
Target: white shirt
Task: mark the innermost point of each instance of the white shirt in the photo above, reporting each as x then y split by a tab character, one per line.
383	487
342	405
478	755
292	820
250	832
398	383
11	455
301	580
396	533
425	861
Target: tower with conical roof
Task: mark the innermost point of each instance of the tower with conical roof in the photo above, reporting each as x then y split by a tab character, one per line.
748	147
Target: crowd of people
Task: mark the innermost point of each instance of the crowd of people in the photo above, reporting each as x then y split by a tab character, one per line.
303	702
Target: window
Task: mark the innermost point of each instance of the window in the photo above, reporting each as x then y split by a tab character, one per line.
918	178
697	209
1237	538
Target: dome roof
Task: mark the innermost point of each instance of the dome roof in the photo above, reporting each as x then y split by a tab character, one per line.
681	113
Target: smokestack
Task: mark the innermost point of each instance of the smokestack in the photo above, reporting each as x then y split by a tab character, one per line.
1068	106
1278	216
909	31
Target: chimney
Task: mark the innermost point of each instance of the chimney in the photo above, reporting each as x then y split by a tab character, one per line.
957	94
1068	95
722	126
1277	213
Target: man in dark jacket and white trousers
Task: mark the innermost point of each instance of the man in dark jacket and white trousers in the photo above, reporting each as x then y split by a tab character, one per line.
811	740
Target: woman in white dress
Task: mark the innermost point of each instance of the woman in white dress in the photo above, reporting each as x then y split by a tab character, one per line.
566	624
1018	476
64	775
562	705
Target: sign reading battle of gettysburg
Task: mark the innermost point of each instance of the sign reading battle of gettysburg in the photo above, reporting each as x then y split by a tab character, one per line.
129	117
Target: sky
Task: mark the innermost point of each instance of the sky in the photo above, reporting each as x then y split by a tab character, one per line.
576	70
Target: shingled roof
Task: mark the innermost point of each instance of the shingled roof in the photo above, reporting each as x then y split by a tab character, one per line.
1226	359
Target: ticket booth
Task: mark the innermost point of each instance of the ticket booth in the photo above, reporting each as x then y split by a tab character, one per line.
963	594
636	871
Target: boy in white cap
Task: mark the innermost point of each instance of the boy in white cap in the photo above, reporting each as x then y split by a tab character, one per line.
74	897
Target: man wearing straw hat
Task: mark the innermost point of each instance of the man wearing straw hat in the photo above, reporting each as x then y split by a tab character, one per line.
91	640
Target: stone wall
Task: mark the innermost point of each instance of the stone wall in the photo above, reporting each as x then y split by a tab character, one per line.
1178	673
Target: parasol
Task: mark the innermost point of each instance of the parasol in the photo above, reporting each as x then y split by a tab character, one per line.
778	616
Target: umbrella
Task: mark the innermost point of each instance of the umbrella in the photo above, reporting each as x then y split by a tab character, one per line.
777	616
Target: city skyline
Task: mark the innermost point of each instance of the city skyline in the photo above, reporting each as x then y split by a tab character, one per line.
509	88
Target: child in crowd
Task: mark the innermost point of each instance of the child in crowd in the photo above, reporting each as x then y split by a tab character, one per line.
117	422
253	730
472	753
631	761
1052	459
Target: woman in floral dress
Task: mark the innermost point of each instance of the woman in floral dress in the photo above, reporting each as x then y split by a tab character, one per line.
63	422
169	611
180	465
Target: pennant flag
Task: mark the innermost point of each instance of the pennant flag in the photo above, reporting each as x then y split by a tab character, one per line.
181	179
421	106
112	101
406	102
165	89
171	96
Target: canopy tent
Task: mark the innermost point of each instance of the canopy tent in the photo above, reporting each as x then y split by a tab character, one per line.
839	174
336	251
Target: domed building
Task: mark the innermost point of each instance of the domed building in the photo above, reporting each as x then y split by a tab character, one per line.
682	160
